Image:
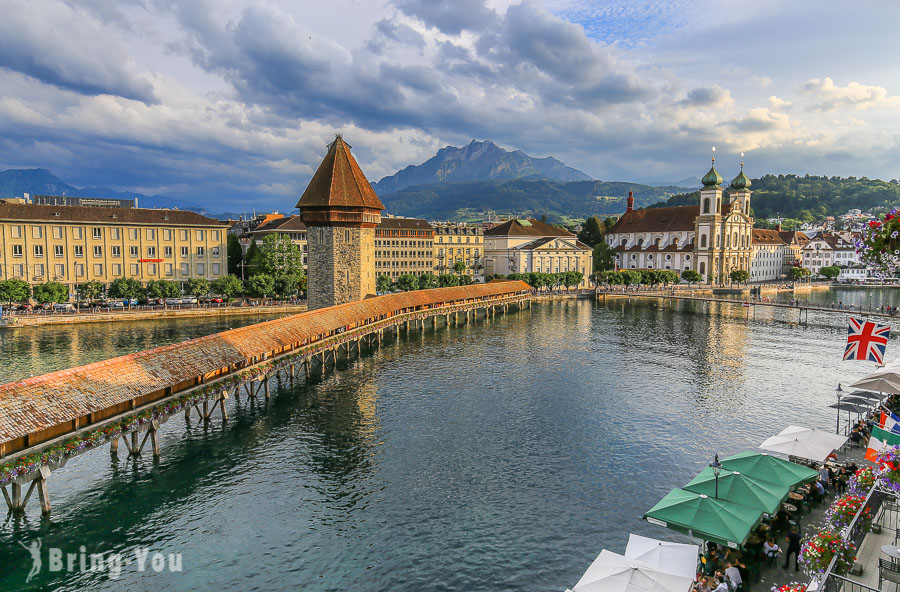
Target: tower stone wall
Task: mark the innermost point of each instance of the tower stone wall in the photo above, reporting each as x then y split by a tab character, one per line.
341	265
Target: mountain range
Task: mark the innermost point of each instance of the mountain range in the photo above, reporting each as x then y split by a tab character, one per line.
16	182
478	161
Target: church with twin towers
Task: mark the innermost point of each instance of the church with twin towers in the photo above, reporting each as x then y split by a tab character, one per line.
713	237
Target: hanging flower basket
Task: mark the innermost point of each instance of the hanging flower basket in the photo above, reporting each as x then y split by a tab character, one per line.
879	247
843	509
862	481
817	552
888	461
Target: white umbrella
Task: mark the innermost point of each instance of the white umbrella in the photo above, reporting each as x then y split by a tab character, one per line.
611	572
675	558
884	380
803	442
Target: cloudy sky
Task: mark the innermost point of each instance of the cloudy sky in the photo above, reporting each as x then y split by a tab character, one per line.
229	104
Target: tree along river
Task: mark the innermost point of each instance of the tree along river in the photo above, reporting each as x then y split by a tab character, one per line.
502	455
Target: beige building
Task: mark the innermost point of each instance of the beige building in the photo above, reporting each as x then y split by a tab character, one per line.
73	245
525	246
403	246
455	243
291	226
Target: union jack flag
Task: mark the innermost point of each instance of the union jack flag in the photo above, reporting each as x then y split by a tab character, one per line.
866	340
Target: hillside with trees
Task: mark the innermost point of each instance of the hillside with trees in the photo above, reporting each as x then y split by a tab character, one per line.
809	198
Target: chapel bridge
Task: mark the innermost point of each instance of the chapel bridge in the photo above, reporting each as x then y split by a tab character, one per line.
48	419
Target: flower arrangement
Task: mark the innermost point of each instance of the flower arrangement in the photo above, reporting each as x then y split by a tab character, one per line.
879	247
818	551
888	461
792	587
861	481
843	510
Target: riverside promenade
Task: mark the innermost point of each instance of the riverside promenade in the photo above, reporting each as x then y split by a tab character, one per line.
67	318
46	420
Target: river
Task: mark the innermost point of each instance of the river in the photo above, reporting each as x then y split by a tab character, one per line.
499	456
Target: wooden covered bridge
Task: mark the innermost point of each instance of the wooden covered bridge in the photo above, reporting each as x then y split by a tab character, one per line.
48	419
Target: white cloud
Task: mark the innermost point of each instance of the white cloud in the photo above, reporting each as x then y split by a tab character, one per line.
829	96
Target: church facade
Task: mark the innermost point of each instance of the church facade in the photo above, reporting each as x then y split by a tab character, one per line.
713	238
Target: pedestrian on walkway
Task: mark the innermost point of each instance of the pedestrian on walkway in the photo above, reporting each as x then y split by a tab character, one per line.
793	541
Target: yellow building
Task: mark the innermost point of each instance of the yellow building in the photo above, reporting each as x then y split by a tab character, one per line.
403	246
459	242
73	245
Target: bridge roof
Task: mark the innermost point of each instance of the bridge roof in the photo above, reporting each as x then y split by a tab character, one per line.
41	402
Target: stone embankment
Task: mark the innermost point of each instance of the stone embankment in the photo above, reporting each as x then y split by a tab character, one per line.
148	315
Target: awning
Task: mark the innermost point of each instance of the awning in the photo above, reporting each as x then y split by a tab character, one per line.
769	468
611	572
676	558
802	442
738	488
701	516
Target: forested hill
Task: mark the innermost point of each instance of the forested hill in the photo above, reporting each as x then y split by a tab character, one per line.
809	198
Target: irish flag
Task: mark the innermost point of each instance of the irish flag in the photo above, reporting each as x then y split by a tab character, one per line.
880	438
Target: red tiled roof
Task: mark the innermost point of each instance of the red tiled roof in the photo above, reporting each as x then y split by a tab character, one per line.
403	224
45	401
672	219
339	182
764	236
64	214
531	228
282	224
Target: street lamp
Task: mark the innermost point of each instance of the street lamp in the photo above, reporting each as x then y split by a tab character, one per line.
839	391
716	467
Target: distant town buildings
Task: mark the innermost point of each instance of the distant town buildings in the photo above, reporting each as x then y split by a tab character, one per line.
827	250
403	246
289	226
71	200
526	246
77	244
774	252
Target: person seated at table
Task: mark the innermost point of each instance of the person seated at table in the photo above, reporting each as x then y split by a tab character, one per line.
855	436
771	549
780	521
721	586
817	492
703	585
734	575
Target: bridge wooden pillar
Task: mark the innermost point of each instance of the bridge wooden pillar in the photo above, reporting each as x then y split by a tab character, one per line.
16	502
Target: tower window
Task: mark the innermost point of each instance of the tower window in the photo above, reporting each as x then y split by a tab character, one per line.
706	206
702	241
347	236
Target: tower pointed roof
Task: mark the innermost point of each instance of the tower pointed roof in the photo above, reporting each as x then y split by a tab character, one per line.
741	181
339	182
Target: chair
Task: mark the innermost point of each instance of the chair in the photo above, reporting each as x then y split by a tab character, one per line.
887	571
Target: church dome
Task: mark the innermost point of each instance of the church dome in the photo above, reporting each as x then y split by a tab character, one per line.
712	178
741	181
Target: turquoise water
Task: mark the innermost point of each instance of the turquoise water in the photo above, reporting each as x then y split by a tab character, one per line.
499	456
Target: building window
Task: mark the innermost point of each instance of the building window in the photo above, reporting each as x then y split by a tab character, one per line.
133	233
58	251
17	250
168	268
79	270
167	251
78	233
217	235
98	269
201	251
184	251
134	252
116	251
117	269
135	269
98	251
199	235
79	251
185	269
183	234
215	251
97	233
39	270
114	233
151	234
57	232
151	252
201	269
167	234
151	268
37	232
216	268
15	231
18	270
60	270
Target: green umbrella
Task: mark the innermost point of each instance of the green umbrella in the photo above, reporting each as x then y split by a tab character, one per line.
769	468
740	489
704	517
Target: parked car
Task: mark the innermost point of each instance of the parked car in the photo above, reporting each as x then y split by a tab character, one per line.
212	300
63	307
189	300
171	301
45	306
115	304
25	307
